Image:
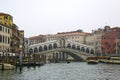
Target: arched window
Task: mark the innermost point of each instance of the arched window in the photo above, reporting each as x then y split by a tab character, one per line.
54	45
30	50
92	51
87	50
82	49
45	48
73	46
35	50
40	49
78	47
50	46
69	46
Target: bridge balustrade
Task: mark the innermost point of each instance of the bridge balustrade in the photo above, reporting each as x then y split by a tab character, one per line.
56	46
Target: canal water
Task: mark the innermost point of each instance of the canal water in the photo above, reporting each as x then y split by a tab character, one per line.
64	71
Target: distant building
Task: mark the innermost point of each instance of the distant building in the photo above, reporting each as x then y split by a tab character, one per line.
94	39
111	41
37	39
75	36
105	41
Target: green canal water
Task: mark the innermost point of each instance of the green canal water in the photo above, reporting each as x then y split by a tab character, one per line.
64	71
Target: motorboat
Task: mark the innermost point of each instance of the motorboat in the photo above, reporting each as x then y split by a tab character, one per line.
6	66
92	60
113	60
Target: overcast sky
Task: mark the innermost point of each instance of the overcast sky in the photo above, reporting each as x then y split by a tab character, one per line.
51	16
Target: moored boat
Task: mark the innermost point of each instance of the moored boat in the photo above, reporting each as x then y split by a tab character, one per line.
6	66
113	60
92	60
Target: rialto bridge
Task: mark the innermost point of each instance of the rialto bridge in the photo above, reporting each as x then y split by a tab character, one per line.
62	49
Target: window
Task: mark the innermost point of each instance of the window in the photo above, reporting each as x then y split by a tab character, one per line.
0	38
0	28
6	17
3	29
8	40
0	20
8	31
3	39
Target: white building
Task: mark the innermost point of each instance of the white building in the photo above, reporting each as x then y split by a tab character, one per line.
4	38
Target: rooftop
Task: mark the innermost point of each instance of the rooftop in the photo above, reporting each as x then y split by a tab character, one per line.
5	14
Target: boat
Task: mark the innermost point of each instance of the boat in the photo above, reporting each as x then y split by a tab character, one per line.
102	59
92	60
6	66
113	60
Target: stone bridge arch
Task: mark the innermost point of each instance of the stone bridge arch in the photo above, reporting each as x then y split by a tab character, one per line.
72	48
76	54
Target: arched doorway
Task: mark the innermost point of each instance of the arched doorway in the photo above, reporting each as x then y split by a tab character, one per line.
35	50
50	46
73	46
62	42
87	50
69	46
92	51
40	49
78	47
45	48
30	50
55	45
83	49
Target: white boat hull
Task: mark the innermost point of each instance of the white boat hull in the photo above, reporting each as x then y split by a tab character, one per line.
6	66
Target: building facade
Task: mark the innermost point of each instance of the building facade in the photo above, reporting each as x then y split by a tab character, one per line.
21	45
6	22
75	36
111	41
106	41
4	38
10	35
94	39
6	19
37	39
15	39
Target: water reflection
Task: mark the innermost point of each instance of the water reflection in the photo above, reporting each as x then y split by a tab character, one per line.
63	71
6	74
